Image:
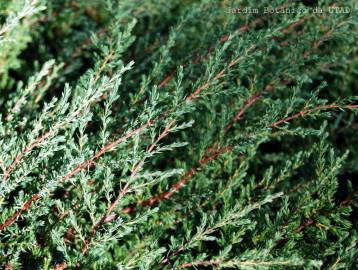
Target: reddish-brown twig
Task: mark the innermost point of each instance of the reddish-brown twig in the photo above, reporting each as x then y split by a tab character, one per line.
309	111
247	104
26	151
60	266
78	168
8	266
25	207
209	156
225	38
218	76
110	146
190	98
158	198
215	263
105	149
136	169
43	137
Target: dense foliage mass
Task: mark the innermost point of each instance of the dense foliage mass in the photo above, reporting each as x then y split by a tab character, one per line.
178	134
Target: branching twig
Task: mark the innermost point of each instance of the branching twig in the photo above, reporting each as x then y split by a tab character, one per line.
136	169
24	208
209	156
26	151
80	167
309	111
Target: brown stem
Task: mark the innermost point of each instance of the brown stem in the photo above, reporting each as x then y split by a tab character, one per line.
40	139
134	173
25	206
110	146
247	104
209	156
225	38
80	167
308	111
27	150
105	149
215	263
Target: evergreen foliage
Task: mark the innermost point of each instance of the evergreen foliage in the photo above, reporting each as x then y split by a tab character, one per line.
178	134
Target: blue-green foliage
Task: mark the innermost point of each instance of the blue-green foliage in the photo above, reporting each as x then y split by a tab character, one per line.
149	134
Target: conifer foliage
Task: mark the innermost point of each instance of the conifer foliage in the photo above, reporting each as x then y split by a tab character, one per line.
178	134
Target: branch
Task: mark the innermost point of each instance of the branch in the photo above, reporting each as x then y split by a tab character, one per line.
136	169
218	76
209	156
106	218
225	38
110	146
240	264
80	167
247	104
26	151
105	149
43	137
25	207
308	111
